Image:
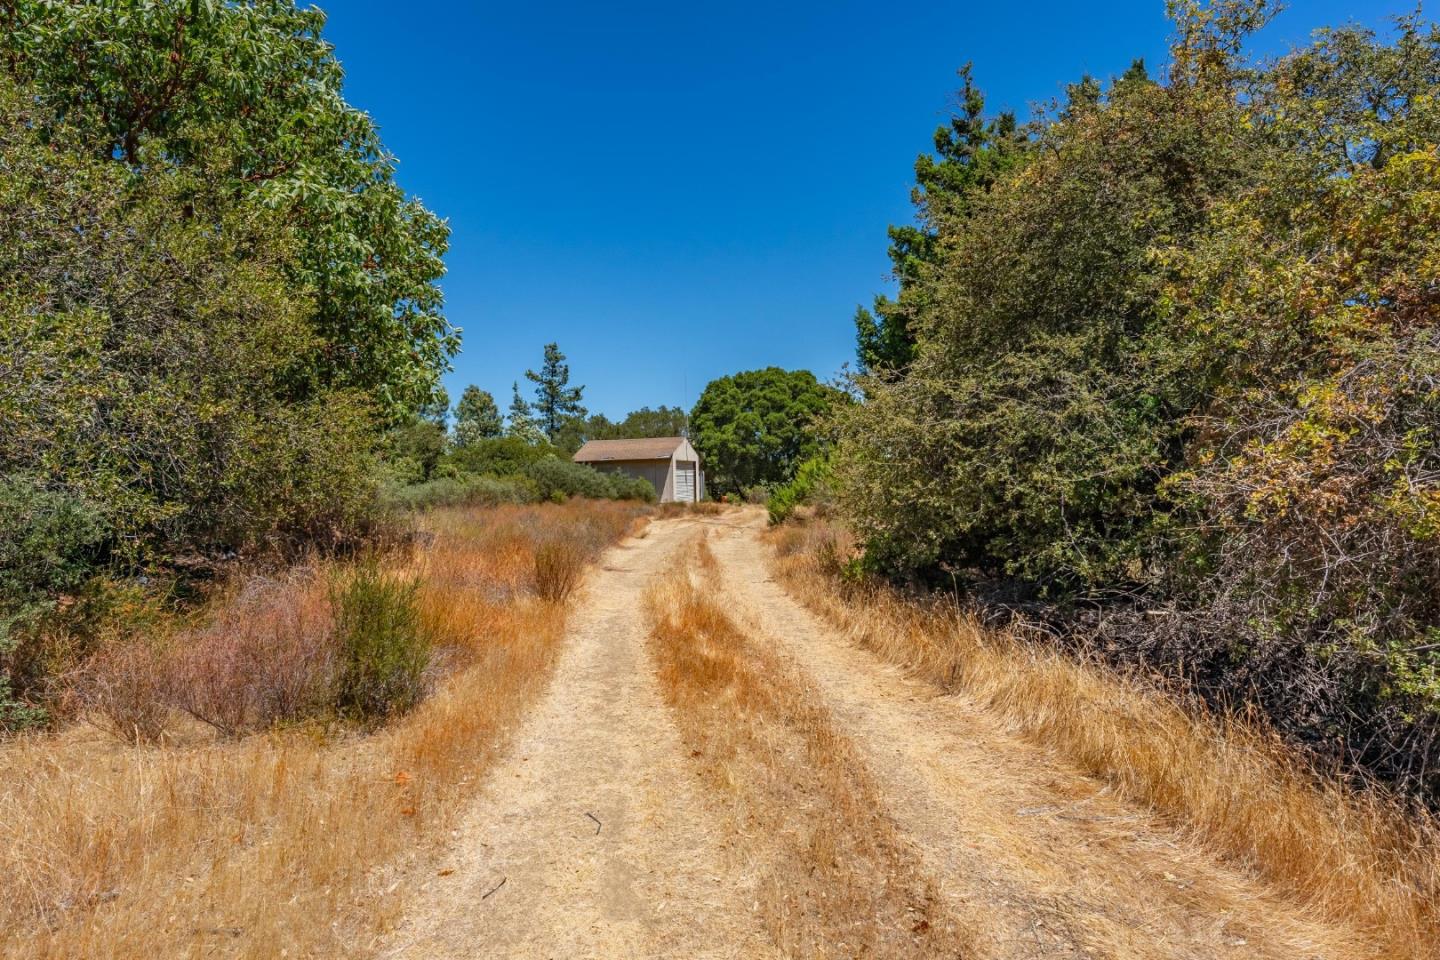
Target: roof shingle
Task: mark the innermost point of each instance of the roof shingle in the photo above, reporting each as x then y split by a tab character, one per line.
648	448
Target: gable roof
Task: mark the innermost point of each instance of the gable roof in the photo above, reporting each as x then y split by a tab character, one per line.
649	448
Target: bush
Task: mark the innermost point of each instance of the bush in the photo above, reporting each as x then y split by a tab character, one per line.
121	689
461	491
558	568
559	479
810	486
48	545
495	457
383	652
270	657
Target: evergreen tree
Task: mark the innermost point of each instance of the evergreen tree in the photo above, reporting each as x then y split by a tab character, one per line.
522	418
556	402
476	417
971	154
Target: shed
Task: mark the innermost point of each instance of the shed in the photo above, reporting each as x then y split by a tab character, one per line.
670	464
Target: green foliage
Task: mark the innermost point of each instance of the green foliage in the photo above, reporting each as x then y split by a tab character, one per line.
812	485
1036	419
1183	346
557	479
414	448
148	336
476	417
49	542
496	457
971	154
556	402
250	94
521	423
461	490
384	652
638	424
757	427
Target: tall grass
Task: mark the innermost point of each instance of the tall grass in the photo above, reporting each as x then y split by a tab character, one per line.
837	880
1352	857
295	839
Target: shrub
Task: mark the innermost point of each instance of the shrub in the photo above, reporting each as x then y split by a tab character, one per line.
496	457
269	657
557	479
383	651
461	491
48	541
558	568
811	485
121	689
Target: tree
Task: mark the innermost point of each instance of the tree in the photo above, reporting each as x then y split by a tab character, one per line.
971	154
436	410
476	417
555	400
522	423
253	94
756	427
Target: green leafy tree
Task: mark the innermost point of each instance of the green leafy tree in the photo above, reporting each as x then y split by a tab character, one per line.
756	427
252	93
436	410
521	422
556	402
476	417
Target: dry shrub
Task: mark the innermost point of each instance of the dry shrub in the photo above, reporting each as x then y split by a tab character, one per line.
1356	857
267	657
838	880
558	565
285	842
121	689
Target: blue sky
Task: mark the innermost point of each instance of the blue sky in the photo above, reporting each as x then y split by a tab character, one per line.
677	191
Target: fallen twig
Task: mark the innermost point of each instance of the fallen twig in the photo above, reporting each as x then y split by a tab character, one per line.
596	819
494	888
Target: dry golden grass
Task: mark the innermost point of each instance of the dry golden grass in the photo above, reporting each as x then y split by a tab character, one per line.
282	844
1353	858
837	880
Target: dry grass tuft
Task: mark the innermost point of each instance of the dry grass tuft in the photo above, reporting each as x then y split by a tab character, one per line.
283	841
1354	858
558	566
838	880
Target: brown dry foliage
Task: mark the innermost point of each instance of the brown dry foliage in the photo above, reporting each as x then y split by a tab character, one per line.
838	881
1354	857
290	840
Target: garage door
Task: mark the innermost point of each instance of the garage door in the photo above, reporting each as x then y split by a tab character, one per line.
685	480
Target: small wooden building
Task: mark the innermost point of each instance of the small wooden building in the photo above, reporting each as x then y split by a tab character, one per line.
670	464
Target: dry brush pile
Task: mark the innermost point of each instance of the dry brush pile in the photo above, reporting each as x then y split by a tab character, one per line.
234	836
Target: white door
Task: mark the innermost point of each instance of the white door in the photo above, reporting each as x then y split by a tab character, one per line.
685	481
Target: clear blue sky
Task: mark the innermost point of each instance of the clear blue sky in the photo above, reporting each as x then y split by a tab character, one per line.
676	191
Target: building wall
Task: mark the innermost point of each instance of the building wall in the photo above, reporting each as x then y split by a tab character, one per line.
660	473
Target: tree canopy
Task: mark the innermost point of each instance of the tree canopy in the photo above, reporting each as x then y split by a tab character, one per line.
250	94
476	417
556	402
755	428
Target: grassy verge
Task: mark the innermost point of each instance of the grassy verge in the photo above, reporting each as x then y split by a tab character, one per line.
837	880
1358	859
276	843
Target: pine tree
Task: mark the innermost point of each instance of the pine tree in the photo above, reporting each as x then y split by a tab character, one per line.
556	402
476	417
522	418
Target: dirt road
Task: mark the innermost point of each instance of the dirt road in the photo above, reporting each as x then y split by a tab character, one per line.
595	838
